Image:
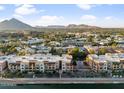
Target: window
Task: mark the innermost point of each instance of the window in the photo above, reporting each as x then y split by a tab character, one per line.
71	67
37	68
23	65
49	67
100	67
22	68
37	65
63	67
26	68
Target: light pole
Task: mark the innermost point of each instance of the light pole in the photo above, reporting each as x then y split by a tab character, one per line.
60	69
60	74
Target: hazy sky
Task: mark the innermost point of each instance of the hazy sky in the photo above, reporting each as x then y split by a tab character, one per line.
63	14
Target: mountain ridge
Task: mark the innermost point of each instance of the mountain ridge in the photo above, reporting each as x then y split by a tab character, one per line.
15	24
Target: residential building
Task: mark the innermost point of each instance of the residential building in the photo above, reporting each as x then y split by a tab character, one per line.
108	62
40	62
54	43
97	63
3	63
74	42
14	63
34	40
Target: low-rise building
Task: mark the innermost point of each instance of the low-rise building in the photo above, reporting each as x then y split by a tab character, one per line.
14	63
40	62
3	63
97	63
116	61
34	40
54	43
74	42
108	62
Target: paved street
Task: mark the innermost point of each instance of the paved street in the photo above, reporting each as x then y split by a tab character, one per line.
62	80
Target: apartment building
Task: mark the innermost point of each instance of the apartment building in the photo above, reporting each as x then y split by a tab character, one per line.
32	63
14	63
97	63
116	61
66	63
56	63
3	63
40	62
25	63
107	62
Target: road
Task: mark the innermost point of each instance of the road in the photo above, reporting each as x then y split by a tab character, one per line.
60	81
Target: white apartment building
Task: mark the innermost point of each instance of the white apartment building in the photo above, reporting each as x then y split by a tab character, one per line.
116	61
25	63
97	63
107	62
40	62
14	63
32	63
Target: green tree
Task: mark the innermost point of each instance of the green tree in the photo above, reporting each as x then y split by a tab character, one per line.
102	51
91	51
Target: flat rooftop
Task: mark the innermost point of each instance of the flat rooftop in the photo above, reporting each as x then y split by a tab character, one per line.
40	58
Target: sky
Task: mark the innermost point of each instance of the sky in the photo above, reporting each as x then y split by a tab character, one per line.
103	15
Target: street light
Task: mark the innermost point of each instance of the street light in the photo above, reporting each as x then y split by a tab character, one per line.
60	74
60	69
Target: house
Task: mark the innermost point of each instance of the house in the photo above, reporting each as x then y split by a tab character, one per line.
74	42
43	49
54	43
34	41
120	43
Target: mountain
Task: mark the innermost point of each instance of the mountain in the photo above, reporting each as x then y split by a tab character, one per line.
56	26
68	26
51	26
80	26
14	24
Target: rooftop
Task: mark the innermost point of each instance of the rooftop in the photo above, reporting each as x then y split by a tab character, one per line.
40	58
3	59
111	57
